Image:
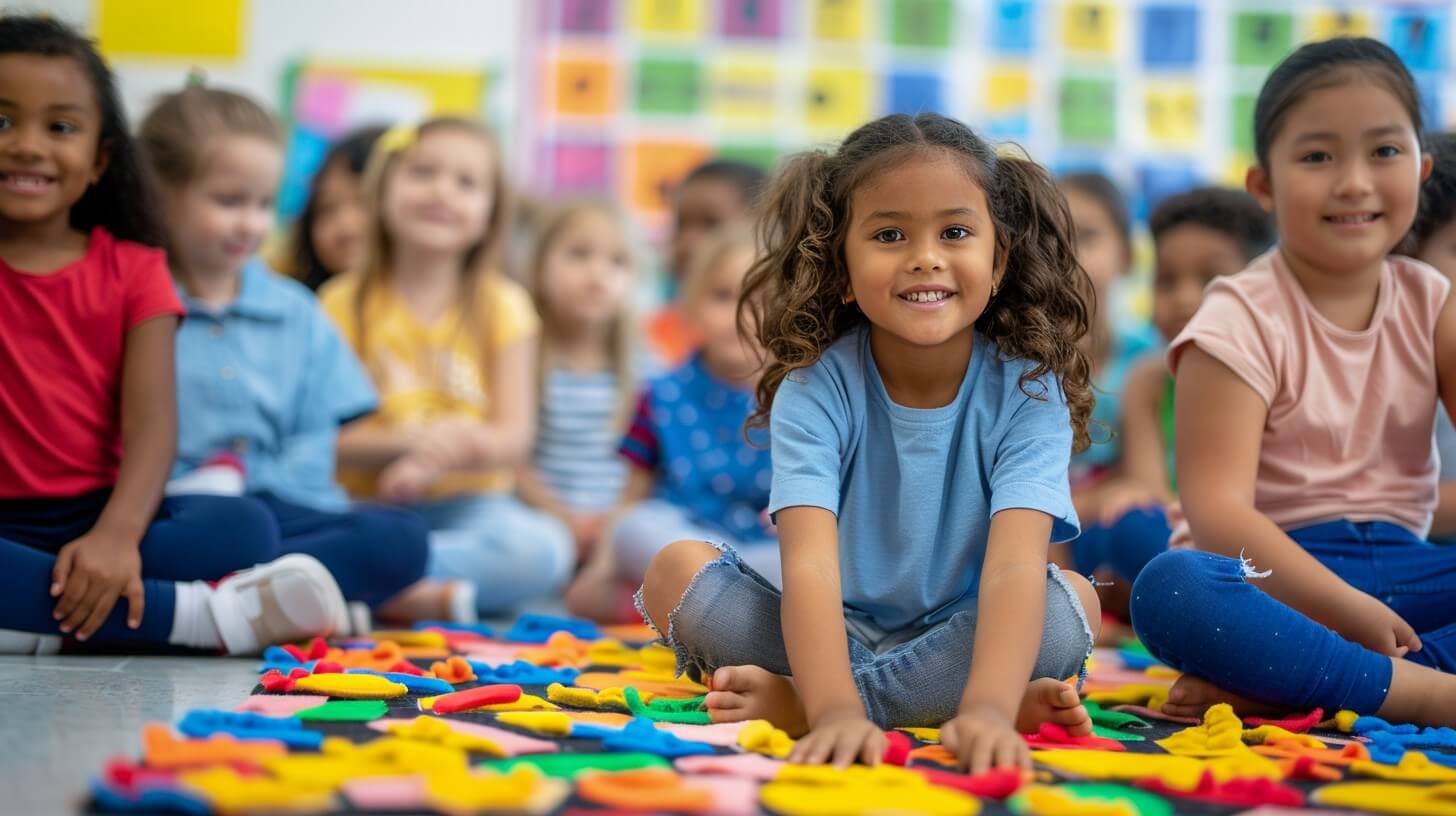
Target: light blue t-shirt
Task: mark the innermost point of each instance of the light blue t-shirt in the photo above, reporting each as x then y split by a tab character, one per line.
269	379
914	489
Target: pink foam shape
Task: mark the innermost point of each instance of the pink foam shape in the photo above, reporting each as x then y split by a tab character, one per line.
491	652
386	792
732	795
512	743
280	705
722	734
748	766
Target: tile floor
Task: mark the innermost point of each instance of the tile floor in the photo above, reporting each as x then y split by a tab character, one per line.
65	716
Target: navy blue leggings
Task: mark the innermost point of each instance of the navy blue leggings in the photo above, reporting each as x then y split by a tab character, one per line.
1200	614
372	552
1126	545
192	538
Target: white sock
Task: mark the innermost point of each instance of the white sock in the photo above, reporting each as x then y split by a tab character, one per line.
462	603
192	623
28	643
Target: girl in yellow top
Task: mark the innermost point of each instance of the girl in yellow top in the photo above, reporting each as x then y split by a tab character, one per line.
450	344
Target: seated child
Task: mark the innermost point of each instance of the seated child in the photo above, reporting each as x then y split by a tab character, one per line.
1197	236
693	472
328	237
712	195
262	373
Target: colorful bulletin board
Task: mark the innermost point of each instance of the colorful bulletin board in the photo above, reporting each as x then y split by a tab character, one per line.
322	101
629	94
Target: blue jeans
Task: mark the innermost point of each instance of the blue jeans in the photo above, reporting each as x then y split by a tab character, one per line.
1202	614
729	616
373	552
510	552
1126	545
191	538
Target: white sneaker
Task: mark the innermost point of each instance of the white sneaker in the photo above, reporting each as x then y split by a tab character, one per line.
361	622
29	643
292	598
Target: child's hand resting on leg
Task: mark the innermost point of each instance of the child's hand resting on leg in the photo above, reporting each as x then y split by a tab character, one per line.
840	737
983	737
1367	621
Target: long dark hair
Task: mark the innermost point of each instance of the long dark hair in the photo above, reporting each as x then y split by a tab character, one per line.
793	296
351	153
123	200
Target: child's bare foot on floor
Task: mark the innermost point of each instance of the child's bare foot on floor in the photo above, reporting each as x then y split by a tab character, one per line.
751	693
1191	696
1050	700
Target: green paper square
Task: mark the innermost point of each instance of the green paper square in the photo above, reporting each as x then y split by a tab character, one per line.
1262	38
761	156
1241	123
345	711
921	23
1088	110
669	86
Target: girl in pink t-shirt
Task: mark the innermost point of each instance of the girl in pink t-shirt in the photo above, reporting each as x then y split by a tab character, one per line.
1306	397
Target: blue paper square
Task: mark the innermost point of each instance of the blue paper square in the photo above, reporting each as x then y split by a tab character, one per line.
1419	37
1013	23
1170	36
913	93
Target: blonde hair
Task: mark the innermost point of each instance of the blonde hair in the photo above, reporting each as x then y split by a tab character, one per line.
729	237
623	335
481	266
175	136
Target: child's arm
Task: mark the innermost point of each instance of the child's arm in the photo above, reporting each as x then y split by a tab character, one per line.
93	571
1445	520
1220	424
813	624
1144	455
1011	612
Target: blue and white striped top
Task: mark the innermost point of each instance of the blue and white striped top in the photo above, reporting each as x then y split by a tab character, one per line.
576	440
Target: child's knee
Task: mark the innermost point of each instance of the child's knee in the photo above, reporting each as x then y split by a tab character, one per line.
400	541
1087	595
668	577
243	528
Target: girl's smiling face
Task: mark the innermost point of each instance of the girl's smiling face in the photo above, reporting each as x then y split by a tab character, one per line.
920	248
1343	188
50	137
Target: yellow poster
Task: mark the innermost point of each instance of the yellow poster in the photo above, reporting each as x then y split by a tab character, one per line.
743	92
668	16
1236	169
1089	27
446	92
1173	115
837	98
1007	89
1326	25
164	29
839	19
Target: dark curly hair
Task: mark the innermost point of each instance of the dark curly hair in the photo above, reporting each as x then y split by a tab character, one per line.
1234	213
124	199
793	296
1438	194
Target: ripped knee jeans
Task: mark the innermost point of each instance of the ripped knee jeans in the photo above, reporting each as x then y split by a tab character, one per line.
729	616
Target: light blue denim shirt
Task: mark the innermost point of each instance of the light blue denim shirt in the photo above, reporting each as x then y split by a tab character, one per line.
269	379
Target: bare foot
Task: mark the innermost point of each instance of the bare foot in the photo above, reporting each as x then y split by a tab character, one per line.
422	600
1050	700
752	693
1191	696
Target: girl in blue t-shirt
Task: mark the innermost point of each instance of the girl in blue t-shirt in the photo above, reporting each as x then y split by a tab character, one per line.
920	306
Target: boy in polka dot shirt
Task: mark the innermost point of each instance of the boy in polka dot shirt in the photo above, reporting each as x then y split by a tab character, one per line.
694	474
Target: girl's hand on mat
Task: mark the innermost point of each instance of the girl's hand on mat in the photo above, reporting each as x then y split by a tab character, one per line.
1376	626
840	737
90	574
983	738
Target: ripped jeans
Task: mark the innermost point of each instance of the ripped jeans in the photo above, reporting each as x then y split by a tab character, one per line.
1205	615
729	616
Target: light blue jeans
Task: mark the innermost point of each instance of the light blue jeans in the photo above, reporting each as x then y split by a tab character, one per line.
511	553
729	616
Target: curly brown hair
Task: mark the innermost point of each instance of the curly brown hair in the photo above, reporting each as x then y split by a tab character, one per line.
793	297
